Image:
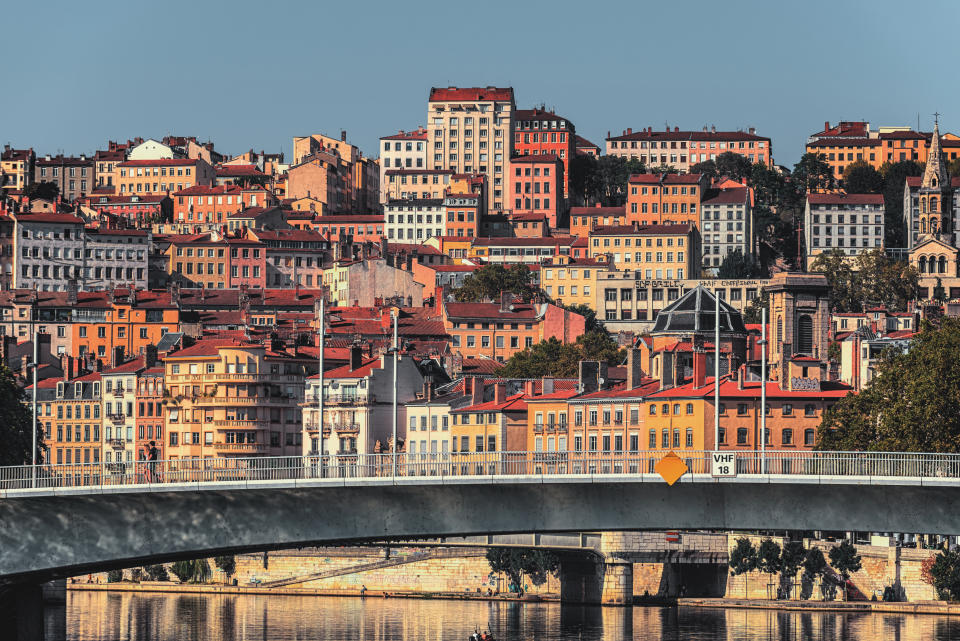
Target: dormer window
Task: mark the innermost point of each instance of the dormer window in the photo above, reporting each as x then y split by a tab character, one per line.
77	390
60	389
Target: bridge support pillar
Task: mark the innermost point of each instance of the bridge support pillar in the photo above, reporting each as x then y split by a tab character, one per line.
617	582
22	615
581	580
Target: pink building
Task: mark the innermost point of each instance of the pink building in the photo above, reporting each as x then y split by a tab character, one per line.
536	186
248	263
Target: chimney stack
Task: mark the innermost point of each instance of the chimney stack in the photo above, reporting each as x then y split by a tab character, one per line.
529	388
826	125
356	356
699	368
499	392
589	376
548	386
150	356
477	392
117	356
634	369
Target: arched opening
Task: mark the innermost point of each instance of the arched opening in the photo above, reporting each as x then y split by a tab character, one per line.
922	264
943	265
804	335
933	205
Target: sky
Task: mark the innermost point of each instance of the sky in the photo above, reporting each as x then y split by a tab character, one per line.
256	74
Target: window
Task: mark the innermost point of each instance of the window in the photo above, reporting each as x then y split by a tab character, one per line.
810	409
653	440
786	437
741	436
808	437
787	409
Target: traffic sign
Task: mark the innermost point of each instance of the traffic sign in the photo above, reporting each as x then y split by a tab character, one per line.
723	464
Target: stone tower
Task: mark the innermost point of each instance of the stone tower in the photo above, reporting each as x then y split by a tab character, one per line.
935	200
799	318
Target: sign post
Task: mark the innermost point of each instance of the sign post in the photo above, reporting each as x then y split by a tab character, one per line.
723	464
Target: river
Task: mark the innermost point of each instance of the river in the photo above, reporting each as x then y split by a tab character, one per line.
122	616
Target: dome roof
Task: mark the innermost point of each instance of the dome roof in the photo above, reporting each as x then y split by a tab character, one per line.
695	311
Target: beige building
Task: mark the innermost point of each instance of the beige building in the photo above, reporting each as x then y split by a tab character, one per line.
360	176
406	150
16	168
362	282
162	175
234	399
403	184
470	131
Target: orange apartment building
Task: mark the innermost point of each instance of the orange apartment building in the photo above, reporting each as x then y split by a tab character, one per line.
536	186
537	132
463	211
664	199
583	219
213	205
500	330
162	175
131	321
198	261
847	142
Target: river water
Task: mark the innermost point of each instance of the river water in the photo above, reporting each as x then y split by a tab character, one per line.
122	616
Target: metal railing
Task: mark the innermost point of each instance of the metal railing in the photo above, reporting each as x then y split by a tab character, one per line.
872	467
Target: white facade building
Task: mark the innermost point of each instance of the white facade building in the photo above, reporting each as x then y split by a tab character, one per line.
414	220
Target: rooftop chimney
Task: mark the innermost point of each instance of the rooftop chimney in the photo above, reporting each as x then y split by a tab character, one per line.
699	368
117	356
548	386
343	135
356	356
826	125
629	130
477	391
499	392
634	369
150	356
589	376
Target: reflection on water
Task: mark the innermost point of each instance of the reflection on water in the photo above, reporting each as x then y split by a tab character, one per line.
105	616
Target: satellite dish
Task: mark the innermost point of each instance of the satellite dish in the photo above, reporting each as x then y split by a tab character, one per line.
334	385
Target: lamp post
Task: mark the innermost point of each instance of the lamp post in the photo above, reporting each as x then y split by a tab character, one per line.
321	331
763	392
716	372
33	452
396	350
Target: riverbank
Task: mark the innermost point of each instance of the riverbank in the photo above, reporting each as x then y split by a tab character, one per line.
186	588
912	607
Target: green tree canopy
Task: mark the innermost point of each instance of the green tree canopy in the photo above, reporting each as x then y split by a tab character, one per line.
873	278
42	189
912	404
737	265
584	179
553	358
228	564
846	561
489	281
521	563
743	557
814	565
754	311
861	178
16	421
894	181
812	173
945	574
734	165
191	571
707	167
791	559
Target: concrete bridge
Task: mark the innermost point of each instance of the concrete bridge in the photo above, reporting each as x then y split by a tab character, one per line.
75	520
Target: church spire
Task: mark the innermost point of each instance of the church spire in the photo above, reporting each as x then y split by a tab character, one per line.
935	173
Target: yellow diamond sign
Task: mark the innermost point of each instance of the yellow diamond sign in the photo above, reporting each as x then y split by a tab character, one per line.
671	468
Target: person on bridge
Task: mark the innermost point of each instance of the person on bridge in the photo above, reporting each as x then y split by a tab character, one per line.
152	455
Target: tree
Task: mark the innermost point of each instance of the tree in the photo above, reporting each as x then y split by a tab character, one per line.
939	293
114	576
861	178
912	404
743	559
953	167
156	572
489	281
590	322
612	178
812	173
814	565
42	189
584	180
520	563
754	311
733	165
554	358
16	423
768	558
707	168
846	561
737	265
791	560
943	573
894	181
228	564
872	277
191	571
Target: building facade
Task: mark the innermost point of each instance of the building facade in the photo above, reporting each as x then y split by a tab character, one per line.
683	149
538	132
852	223
406	150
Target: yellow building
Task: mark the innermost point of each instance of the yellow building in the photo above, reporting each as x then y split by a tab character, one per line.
16	168
69	414
572	281
658	251
228	398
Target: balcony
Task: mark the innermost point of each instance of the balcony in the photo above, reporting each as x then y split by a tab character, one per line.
244	424
538	428
117	418
241	448
349	399
348	452
343	427
117	391
116	443
243	400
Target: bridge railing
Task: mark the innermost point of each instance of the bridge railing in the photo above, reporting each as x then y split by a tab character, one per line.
460	464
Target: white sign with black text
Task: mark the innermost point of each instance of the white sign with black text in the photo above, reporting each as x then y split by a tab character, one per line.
723	464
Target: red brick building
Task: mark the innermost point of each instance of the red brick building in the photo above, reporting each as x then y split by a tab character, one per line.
538	132
248	263
536	186
362	227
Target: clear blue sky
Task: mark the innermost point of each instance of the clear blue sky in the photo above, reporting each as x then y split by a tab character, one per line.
255	74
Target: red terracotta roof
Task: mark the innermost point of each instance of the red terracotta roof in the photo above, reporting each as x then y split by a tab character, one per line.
730	196
491	311
535	158
158	162
536	114
471	93
204	190
584	143
621	230
845	199
845	142
418	134
598	211
366	368
666	179
239	170
51	217
515	403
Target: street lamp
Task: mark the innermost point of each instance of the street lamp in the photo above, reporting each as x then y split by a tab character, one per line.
33	365
396	350
321	331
